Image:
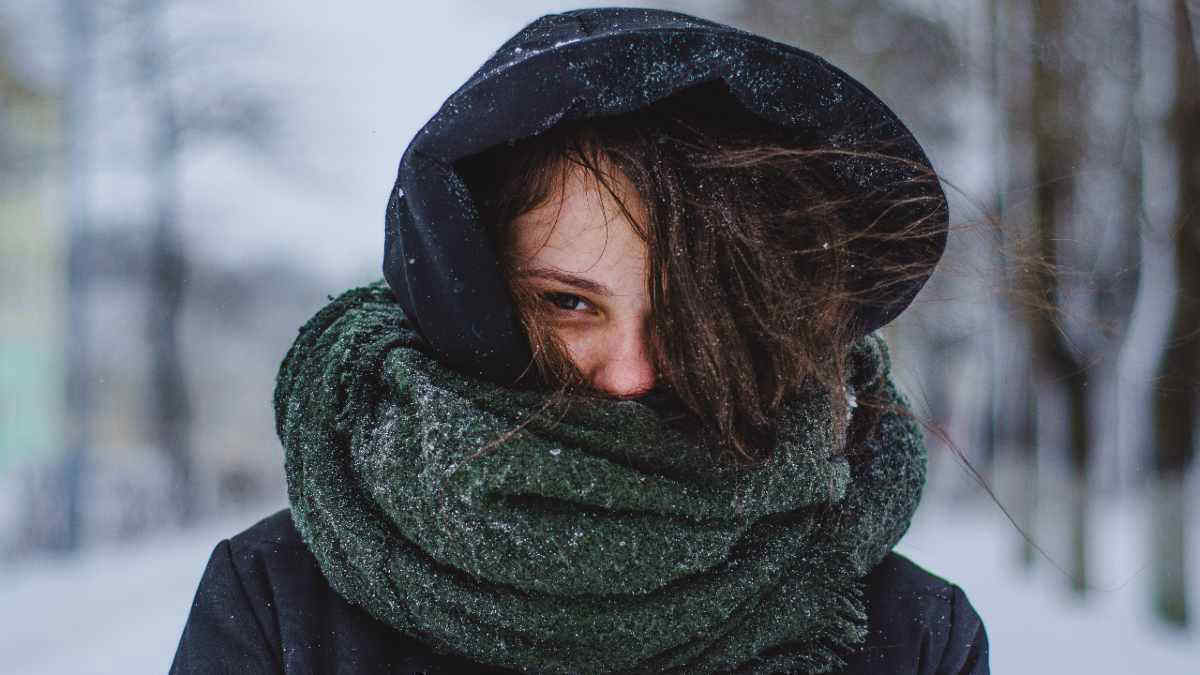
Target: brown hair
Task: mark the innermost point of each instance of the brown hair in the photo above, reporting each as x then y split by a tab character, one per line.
748	232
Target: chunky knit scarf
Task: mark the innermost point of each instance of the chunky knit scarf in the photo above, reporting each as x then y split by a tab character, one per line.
585	538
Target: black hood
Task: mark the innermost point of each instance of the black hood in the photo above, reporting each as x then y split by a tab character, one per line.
439	261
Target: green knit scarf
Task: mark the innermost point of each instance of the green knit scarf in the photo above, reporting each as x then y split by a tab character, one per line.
594	538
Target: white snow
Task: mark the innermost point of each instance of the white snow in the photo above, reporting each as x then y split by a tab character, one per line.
1035	624
119	608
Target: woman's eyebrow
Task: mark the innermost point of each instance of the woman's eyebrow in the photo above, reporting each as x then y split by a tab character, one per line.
582	283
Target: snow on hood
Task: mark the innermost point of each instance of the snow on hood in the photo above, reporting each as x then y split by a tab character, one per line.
440	262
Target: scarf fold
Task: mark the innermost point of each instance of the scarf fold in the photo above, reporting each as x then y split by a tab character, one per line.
589	537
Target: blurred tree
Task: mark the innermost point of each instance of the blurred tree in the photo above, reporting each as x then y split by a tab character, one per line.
31	308
168	102
78	109
1014	400
1081	282
1119	246
169	412
1056	109
1179	366
175	122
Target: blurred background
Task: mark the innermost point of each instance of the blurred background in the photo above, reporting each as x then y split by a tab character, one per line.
184	183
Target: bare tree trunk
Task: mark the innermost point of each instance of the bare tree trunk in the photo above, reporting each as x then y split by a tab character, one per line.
77	131
1179	367
1080	455
1000	351
170	412
1031	486
1057	153
1015	400
1119	294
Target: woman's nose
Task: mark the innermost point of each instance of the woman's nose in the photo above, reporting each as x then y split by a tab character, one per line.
627	367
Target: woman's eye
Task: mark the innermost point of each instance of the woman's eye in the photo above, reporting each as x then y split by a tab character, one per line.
567	301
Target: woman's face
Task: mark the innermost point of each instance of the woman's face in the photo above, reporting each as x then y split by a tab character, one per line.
580	256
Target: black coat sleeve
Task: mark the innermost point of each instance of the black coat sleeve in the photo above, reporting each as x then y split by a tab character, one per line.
967	646
918	623
223	633
263	606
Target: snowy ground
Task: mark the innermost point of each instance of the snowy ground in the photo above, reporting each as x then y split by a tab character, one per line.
1034	623
119	609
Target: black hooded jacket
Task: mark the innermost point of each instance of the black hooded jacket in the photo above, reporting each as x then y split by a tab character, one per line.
263	604
264	607
440	262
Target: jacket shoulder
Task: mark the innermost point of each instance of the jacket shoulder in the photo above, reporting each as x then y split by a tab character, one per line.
264	606
229	628
266	535
918	623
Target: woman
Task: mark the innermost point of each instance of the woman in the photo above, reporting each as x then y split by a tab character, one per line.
619	407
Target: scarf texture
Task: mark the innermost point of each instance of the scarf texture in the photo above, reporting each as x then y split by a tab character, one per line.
584	538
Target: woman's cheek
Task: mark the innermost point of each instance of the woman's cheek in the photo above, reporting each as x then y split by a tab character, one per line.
582	345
